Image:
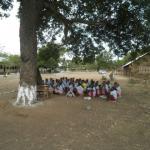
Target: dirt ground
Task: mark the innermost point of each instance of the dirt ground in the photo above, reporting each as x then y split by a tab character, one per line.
62	123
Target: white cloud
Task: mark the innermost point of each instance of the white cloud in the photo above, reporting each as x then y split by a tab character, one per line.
9	32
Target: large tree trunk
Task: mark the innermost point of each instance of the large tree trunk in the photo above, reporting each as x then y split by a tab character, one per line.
28	48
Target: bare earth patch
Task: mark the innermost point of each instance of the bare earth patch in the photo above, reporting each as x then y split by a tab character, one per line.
62	123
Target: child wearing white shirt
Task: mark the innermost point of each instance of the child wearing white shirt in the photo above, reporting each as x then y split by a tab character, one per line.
113	94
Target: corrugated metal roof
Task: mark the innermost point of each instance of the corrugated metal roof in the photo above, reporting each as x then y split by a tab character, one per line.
130	62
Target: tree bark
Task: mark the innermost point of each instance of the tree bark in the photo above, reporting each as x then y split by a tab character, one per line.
39	77
28	48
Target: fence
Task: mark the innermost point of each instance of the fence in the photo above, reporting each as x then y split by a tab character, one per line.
144	69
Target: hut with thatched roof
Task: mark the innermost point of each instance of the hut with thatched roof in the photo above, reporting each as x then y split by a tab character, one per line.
138	67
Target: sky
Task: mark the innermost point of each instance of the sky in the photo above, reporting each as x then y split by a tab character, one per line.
9	32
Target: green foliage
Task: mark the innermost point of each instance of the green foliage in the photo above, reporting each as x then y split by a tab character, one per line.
73	66
119	63
5	5
4	55
14	60
123	24
104	60
77	60
91	66
134	54
49	55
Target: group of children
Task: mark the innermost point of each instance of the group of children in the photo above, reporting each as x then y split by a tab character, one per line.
78	87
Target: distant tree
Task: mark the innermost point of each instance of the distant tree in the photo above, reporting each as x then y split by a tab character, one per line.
4	55
14	60
11	59
64	63
118	63
77	60
49	55
89	55
104	60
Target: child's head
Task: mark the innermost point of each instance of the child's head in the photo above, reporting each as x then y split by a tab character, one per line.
116	84
108	82
104	82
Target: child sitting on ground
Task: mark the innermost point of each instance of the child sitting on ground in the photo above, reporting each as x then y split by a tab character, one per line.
94	90
79	90
70	93
97	89
113	94
118	88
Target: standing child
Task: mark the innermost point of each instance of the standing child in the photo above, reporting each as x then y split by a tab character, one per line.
118	88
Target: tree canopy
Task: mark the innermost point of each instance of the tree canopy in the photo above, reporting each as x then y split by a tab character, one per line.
48	56
5	6
86	24
104	60
123	24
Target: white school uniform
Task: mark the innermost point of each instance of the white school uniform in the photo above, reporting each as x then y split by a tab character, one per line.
114	94
94	91
80	90
119	91
60	89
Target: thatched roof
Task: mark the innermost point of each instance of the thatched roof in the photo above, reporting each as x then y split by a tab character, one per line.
130	62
